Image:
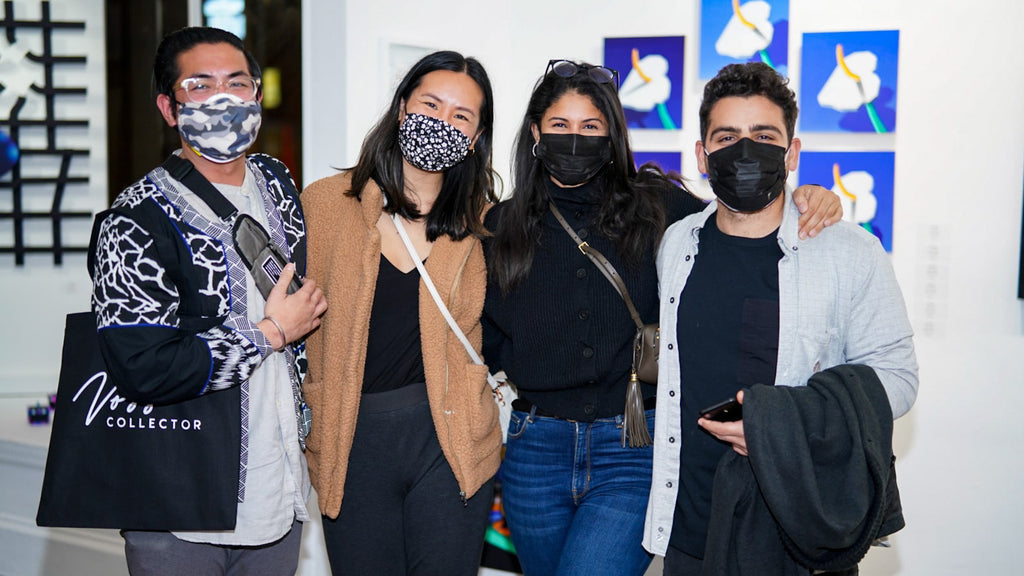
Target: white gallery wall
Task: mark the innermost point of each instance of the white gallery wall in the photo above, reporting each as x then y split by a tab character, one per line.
959	181
35	297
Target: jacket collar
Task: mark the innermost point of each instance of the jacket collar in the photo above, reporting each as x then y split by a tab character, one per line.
371	199
788	237
702	219
789	240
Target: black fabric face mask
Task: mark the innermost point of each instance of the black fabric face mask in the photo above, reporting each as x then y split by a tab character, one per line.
573	158
747	176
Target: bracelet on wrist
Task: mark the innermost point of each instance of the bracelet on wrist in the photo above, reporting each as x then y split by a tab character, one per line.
280	330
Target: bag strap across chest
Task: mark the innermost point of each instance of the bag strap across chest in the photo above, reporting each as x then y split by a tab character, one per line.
603	265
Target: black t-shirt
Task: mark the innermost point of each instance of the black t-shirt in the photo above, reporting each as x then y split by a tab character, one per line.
728	334
394	353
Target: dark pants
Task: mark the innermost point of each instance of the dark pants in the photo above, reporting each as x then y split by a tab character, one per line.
402	512
163	554
679	563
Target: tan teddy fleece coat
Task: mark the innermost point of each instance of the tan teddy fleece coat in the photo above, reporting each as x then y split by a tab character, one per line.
344	258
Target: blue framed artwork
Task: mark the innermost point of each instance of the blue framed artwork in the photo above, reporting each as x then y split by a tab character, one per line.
668	161
732	31
849	81
651	79
864	183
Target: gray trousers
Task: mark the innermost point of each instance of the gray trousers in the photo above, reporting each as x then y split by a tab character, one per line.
163	554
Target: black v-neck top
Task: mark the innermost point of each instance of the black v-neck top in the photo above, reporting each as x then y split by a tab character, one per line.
394	352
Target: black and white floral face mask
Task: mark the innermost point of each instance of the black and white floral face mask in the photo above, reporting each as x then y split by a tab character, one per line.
432	144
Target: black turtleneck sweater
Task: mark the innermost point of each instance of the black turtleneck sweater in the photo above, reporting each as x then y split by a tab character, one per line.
563	335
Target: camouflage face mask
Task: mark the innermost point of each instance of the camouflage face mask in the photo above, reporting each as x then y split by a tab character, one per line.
220	129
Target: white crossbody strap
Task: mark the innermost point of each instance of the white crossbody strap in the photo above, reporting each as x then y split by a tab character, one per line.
437	299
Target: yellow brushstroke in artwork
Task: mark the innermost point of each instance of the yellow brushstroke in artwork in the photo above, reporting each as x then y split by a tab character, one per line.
744	21
842	63
839	183
636	65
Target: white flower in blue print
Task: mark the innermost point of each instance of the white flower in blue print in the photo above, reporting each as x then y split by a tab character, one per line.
647	84
748	32
845	92
856	194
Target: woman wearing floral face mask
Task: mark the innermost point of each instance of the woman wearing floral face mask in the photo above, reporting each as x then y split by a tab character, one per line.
405	437
574	487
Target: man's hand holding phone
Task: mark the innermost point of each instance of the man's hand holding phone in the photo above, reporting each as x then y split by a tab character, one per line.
728	410
716	420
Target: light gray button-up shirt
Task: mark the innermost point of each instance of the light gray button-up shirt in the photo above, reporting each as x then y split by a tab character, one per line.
839	303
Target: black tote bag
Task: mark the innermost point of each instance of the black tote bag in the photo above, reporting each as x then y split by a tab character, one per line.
115	464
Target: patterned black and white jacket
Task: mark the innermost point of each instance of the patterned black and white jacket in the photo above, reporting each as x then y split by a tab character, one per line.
169	289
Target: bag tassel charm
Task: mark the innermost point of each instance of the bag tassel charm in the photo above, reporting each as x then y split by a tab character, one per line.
634	421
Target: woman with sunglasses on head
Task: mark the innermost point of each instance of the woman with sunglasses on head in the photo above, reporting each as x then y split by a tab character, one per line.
405	438
577	468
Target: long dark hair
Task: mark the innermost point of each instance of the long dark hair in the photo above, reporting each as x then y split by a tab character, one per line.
466	187
631	212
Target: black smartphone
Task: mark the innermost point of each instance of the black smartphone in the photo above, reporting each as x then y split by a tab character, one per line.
728	410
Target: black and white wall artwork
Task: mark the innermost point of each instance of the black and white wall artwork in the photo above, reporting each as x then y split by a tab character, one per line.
40	165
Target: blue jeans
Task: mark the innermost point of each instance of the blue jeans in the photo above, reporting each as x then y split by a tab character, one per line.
574	498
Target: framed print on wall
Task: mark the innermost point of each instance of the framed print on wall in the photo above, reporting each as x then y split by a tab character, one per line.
667	161
849	81
732	32
650	79
864	183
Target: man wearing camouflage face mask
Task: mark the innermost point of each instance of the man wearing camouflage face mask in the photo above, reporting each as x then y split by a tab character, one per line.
180	315
749	310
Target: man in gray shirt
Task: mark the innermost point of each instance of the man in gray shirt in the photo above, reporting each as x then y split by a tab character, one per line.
744	301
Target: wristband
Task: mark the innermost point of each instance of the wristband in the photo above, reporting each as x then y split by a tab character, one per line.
280	330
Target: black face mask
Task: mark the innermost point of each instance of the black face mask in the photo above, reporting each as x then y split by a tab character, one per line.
573	158
747	176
